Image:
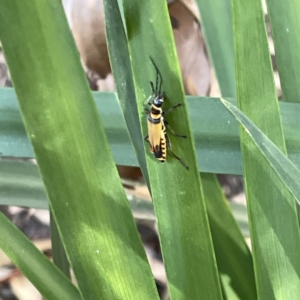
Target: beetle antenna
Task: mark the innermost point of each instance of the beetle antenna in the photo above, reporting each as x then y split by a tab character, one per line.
158	76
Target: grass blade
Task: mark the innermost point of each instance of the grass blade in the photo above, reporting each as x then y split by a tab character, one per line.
233	256
234	260
272	211
120	63
86	196
58	251
286	170
216	21
53	284
285	24
21	185
177	193
215	133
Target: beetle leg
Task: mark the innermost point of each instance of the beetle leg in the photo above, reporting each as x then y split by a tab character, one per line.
172	108
172	131
168	142
148	100
176	156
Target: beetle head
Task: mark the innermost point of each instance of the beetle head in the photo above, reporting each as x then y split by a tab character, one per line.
158	101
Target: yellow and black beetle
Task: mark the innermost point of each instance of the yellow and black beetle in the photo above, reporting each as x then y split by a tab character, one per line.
157	134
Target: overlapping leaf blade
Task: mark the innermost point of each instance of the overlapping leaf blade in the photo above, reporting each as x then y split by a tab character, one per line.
285	24
33	263
272	211
86	196
177	195
288	173
216	21
233	256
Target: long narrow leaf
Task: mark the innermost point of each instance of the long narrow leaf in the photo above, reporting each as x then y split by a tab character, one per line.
272	211
233	256
53	284
176	192
21	185
215	132
216	21
234	260
285	169
58	251
120	63
285	24
86	196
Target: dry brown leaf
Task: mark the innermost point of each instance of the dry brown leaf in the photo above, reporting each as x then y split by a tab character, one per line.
24	289
190	46
86	19
4	72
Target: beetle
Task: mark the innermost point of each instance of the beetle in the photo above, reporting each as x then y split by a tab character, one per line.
157	134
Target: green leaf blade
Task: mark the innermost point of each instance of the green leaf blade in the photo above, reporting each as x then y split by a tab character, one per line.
234	259
33	263
272	212
176	192
86	195
120	63
215	132
285	24
216	21
284	167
